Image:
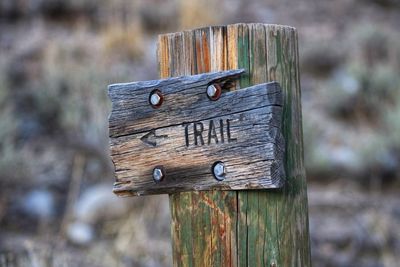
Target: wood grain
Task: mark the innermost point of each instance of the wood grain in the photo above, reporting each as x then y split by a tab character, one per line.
243	228
242	129
183	98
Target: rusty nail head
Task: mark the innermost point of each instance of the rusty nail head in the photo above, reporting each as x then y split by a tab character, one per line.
214	91
158	173
219	170
156	98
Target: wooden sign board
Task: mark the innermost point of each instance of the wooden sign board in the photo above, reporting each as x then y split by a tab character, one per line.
190	135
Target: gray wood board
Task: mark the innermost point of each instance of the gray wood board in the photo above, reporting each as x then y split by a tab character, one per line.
189	133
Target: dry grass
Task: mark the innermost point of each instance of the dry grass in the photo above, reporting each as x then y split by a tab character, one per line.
195	14
128	41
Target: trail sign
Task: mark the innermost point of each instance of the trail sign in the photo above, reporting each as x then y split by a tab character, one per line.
190	133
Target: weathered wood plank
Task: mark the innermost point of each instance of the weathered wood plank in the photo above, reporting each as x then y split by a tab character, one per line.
132	113
241	129
280	236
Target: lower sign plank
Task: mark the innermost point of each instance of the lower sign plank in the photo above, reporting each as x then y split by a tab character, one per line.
241	130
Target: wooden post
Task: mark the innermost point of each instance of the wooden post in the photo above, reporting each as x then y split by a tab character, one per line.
243	228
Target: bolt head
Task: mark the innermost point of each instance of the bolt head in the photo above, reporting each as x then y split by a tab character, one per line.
219	170
155	99
211	90
158	173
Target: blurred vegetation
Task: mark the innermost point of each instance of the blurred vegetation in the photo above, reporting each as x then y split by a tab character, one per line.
56	60
359	98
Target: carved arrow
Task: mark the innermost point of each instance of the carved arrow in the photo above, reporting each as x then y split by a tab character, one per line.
151	138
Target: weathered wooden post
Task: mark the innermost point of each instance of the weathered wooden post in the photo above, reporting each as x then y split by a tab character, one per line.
235	224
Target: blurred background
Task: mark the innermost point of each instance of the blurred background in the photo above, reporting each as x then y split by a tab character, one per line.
57	58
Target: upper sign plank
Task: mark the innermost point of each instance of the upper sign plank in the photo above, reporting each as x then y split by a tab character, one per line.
182	134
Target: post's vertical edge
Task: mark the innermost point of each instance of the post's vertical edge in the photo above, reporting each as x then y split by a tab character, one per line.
244	228
291	211
163	56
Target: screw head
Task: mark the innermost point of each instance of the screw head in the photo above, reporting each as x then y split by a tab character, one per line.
156	98
213	91
219	170
158	174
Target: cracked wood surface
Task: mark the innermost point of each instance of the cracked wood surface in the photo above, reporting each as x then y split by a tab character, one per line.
242	129
251	227
184	98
